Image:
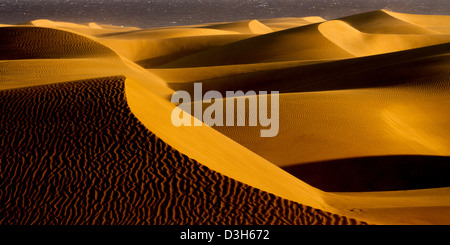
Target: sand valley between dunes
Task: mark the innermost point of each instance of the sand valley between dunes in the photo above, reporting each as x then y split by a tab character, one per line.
86	133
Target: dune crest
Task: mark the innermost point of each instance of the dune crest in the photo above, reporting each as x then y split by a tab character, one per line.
437	23
244	27
279	24
364	44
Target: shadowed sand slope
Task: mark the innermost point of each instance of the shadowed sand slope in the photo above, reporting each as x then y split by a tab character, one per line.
73	153
383	173
307	76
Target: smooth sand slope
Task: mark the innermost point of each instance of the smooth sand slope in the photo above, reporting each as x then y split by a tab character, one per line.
86	111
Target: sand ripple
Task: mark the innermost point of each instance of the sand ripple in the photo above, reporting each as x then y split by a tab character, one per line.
73	153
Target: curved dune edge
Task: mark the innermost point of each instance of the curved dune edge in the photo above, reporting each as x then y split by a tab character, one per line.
244	27
222	155
383	22
215	150
436	23
74	154
365	44
300	43
279	24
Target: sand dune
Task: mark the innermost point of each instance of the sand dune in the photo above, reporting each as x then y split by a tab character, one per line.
106	176
47	43
360	35
317	125
361	44
160	33
302	43
383	22
86	111
37	55
279	24
361	114
437	23
308	76
244	27
184	77
154	53
88	28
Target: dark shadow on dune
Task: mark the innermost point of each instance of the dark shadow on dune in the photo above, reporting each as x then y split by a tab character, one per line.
161	60
364	72
380	173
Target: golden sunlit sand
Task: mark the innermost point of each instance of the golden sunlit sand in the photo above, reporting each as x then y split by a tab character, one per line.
363	137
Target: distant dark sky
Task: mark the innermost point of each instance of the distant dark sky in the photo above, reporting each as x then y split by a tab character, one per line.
150	13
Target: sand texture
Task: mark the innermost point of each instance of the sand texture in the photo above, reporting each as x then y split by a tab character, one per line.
73	153
87	138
